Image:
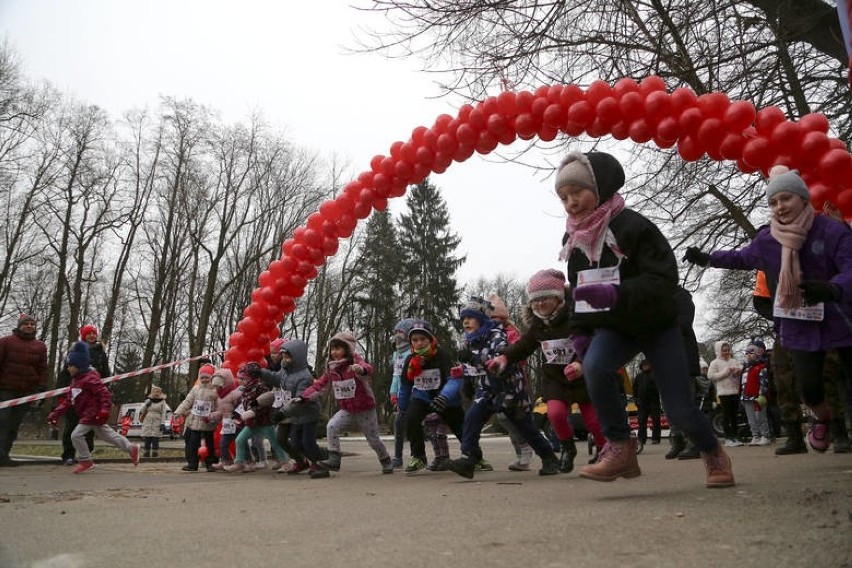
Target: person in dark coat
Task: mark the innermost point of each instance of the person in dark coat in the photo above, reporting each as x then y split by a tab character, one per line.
648	405
23	371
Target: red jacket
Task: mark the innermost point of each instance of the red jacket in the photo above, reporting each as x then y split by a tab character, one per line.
89	396
23	363
359	398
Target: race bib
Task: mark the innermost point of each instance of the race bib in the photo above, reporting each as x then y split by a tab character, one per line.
344	389
472	371
202	408
595	276
240	409
282	397
428	379
228	426
557	351
807	313
397	365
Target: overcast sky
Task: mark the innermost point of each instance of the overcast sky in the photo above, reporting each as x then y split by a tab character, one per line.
292	61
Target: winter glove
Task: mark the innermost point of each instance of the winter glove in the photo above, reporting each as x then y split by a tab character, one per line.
694	255
599	296
277	416
457	372
814	292
103	416
573	371
497	364
466	356
297	400
761	400
357	369
439	403
394	399
580	344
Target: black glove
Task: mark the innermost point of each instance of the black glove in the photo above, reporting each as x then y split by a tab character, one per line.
439	403
465	356
814	292
253	405
695	256
277	416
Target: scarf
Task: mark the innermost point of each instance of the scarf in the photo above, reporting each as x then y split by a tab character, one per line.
589	233
485	327
419	358
791	237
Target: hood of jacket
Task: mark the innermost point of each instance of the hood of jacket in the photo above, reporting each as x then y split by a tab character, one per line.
298	351
717	348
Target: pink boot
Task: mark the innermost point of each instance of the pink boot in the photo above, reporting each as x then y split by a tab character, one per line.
617	459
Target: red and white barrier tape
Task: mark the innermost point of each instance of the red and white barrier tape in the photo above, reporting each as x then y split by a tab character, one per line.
63	390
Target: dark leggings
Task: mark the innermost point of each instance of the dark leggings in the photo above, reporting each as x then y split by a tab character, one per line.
399	434
284	438
303	439
193	442
730	413
416	413
808	366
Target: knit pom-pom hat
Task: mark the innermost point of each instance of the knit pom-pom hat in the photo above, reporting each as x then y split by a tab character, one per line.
544	283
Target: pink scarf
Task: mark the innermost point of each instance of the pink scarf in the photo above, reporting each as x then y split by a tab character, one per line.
590	232
791	237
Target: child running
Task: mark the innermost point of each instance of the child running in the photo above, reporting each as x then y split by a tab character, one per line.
92	401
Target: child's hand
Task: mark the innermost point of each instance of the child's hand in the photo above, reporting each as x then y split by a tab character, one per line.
457	372
103	416
357	369
573	371
497	364
761	400
53	421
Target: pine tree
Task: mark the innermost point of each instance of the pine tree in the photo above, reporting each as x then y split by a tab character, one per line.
378	295
131	389
428	274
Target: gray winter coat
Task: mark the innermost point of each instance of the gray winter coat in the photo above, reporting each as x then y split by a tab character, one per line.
294	379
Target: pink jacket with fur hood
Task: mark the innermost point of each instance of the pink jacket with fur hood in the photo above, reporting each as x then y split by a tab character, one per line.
353	391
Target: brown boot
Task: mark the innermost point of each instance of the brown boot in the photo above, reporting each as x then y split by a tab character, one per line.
718	466
617	459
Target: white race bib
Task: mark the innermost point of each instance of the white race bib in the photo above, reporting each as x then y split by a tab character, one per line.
228	426
344	389
202	408
428	379
557	351
397	365
808	313
595	276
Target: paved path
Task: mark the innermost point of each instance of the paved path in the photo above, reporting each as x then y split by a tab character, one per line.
785	511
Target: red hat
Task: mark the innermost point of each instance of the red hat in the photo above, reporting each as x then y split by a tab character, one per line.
550	282
207	370
86	330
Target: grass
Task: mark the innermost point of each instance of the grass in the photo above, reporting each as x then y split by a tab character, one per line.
100	451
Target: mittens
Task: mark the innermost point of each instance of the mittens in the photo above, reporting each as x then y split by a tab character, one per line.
394	399
439	403
497	364
573	371
694	255
599	296
761	400
457	372
580	344
814	292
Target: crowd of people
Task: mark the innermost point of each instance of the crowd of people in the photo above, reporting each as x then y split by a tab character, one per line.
620	297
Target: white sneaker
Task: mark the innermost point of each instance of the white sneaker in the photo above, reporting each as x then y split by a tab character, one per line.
260	465
755	441
763	441
737	443
729	443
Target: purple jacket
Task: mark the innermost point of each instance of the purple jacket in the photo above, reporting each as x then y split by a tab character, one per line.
826	256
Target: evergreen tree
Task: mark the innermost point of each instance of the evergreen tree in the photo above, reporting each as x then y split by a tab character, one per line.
428	276
378	295
132	389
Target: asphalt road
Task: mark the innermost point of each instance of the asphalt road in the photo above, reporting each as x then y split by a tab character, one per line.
784	511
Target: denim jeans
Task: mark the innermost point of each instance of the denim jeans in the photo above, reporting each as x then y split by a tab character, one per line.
480	412
609	350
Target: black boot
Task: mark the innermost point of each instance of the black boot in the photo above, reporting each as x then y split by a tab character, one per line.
690	452
463	466
678	445
840	436
795	443
332	463
549	465
566	459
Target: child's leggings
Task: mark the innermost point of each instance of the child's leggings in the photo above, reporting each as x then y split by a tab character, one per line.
437	431
366	421
267	432
104	432
557	414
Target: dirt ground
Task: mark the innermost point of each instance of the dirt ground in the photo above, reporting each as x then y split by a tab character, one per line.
784	511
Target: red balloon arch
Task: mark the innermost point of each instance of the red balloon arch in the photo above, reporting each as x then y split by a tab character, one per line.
643	111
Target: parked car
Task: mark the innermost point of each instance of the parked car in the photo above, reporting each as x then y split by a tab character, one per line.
133	410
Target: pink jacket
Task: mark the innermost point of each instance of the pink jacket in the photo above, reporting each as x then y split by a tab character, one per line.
229	393
354	393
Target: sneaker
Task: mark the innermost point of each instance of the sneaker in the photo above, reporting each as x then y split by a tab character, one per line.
440	463
689	453
387	465
249	467
319	472
210	468
463	466
396	463
69	461
484	465
754	441
219	466
518	466
84	465
639	447
188	468
295	468
718	466
818	437
261	465
236	467
415	464
763	441
134	454
617	459
549	466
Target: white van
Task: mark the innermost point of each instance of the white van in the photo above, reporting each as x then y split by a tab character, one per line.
133	409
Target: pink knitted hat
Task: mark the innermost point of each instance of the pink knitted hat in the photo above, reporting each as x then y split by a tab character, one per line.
550	282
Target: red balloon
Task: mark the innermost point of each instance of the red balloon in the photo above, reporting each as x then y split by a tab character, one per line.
477	119
539	105
786	136
608	111
346	224
597	91
463	153
662	142
768	118
301	251
835	167
487	142
362	209
506	102
732	146
739	116
813	145
421	171
711	132
237	339
330	246
820	193
388	166
447	143
417	135
403	170
757	153
442	123
467	135
682	99
249	327
382	185
554	93
620	130
744	167
623	86
554	116
505	138
496	124
266	278
571	94
814	122
525	126
651	84
597	129
581	113
547	133
668	129
489	106
714	104
395	148
632	105
690	120
689	149
376	163
640	131
658	105
408	152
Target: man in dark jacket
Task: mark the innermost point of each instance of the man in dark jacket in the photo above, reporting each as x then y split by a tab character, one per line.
100	363
23	371
648	405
